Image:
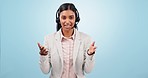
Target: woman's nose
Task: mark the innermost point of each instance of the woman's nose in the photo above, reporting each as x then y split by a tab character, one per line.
67	21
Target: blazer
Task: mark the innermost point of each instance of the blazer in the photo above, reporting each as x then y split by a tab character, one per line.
82	62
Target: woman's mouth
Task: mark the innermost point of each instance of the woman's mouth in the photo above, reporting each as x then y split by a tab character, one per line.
67	26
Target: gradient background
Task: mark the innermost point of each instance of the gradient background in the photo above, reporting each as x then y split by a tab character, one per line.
119	27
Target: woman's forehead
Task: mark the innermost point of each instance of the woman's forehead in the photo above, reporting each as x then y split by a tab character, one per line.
67	12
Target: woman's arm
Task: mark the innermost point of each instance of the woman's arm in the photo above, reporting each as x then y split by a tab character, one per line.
45	64
45	58
88	59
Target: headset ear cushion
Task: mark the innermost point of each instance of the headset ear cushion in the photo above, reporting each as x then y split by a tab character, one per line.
57	17
57	20
77	16
77	19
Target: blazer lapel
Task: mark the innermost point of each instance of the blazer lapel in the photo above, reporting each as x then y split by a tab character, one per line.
59	45
77	44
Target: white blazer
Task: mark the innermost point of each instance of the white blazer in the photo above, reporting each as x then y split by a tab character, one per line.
82	62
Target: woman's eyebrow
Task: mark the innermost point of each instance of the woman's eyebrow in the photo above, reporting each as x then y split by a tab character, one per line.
68	15
71	15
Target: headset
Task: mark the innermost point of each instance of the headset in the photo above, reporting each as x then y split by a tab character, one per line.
58	18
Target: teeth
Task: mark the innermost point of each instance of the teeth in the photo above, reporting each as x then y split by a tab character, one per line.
67	26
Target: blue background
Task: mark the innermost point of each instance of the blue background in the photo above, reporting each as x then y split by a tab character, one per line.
119	27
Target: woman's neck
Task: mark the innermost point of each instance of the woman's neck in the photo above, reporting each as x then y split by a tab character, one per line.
68	33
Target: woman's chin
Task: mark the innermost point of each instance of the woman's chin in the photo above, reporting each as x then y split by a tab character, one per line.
68	27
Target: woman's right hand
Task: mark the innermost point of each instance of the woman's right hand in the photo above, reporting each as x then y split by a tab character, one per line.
43	50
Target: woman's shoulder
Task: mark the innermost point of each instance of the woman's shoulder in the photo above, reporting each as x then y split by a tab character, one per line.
86	38
50	36
84	35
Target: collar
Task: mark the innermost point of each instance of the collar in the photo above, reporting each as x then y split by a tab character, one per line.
71	37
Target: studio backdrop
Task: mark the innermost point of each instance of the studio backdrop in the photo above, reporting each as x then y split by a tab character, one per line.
119	28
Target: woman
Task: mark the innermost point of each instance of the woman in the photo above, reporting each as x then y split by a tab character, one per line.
67	53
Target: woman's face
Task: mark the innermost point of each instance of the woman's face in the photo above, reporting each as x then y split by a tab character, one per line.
67	20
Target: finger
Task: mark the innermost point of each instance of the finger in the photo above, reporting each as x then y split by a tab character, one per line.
95	47
39	45
94	51
93	43
47	50
44	53
44	50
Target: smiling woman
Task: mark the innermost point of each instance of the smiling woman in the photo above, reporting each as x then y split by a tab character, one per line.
68	53
63	10
67	20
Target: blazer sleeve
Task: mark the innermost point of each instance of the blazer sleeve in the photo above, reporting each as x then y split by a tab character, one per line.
88	59
44	61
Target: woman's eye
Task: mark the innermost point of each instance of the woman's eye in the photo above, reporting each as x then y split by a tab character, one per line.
70	17
63	17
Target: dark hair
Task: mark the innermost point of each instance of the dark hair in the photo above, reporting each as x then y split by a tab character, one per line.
67	6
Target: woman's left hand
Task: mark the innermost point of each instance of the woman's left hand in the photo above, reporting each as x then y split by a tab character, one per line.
92	49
